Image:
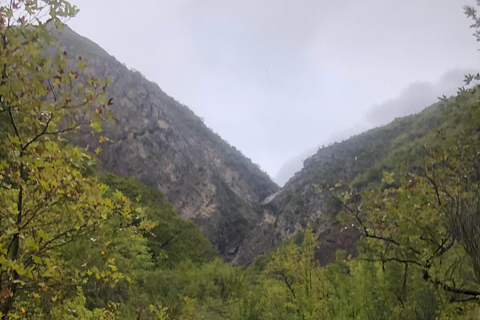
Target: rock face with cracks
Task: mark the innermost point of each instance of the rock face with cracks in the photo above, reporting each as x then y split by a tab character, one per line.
165	145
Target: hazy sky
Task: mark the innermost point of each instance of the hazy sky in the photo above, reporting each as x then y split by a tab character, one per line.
276	77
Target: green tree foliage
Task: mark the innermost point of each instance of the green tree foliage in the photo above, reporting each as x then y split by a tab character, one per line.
426	224
296	268
48	199
173	239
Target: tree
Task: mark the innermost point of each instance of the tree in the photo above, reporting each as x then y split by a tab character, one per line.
48	199
428	222
302	278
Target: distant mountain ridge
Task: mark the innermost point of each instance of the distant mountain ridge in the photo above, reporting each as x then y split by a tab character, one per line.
166	146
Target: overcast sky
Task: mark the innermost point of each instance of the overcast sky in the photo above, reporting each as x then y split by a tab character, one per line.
276	77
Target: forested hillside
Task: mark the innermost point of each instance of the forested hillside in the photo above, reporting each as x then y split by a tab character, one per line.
359	161
79	242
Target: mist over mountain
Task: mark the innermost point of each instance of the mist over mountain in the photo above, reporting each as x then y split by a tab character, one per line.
413	99
291	167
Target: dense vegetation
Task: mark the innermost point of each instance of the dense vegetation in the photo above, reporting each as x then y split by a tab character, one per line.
77	244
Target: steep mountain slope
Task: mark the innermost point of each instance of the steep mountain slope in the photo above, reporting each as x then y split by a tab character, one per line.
166	146
360	161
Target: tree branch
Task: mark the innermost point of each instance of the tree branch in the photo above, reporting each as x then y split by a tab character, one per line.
281	273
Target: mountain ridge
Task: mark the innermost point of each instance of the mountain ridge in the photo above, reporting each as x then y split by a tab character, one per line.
359	160
165	145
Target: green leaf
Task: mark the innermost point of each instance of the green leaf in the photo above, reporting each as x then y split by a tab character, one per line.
388	177
37	260
42	234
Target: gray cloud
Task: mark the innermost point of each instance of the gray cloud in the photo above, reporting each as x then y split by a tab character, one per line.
413	99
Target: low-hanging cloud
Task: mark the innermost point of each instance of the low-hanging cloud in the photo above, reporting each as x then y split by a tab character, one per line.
413	99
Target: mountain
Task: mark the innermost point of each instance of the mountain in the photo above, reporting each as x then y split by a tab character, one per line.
165	145
292	166
238	207
358	161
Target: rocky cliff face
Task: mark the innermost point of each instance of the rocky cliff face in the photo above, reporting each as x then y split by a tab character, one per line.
165	145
